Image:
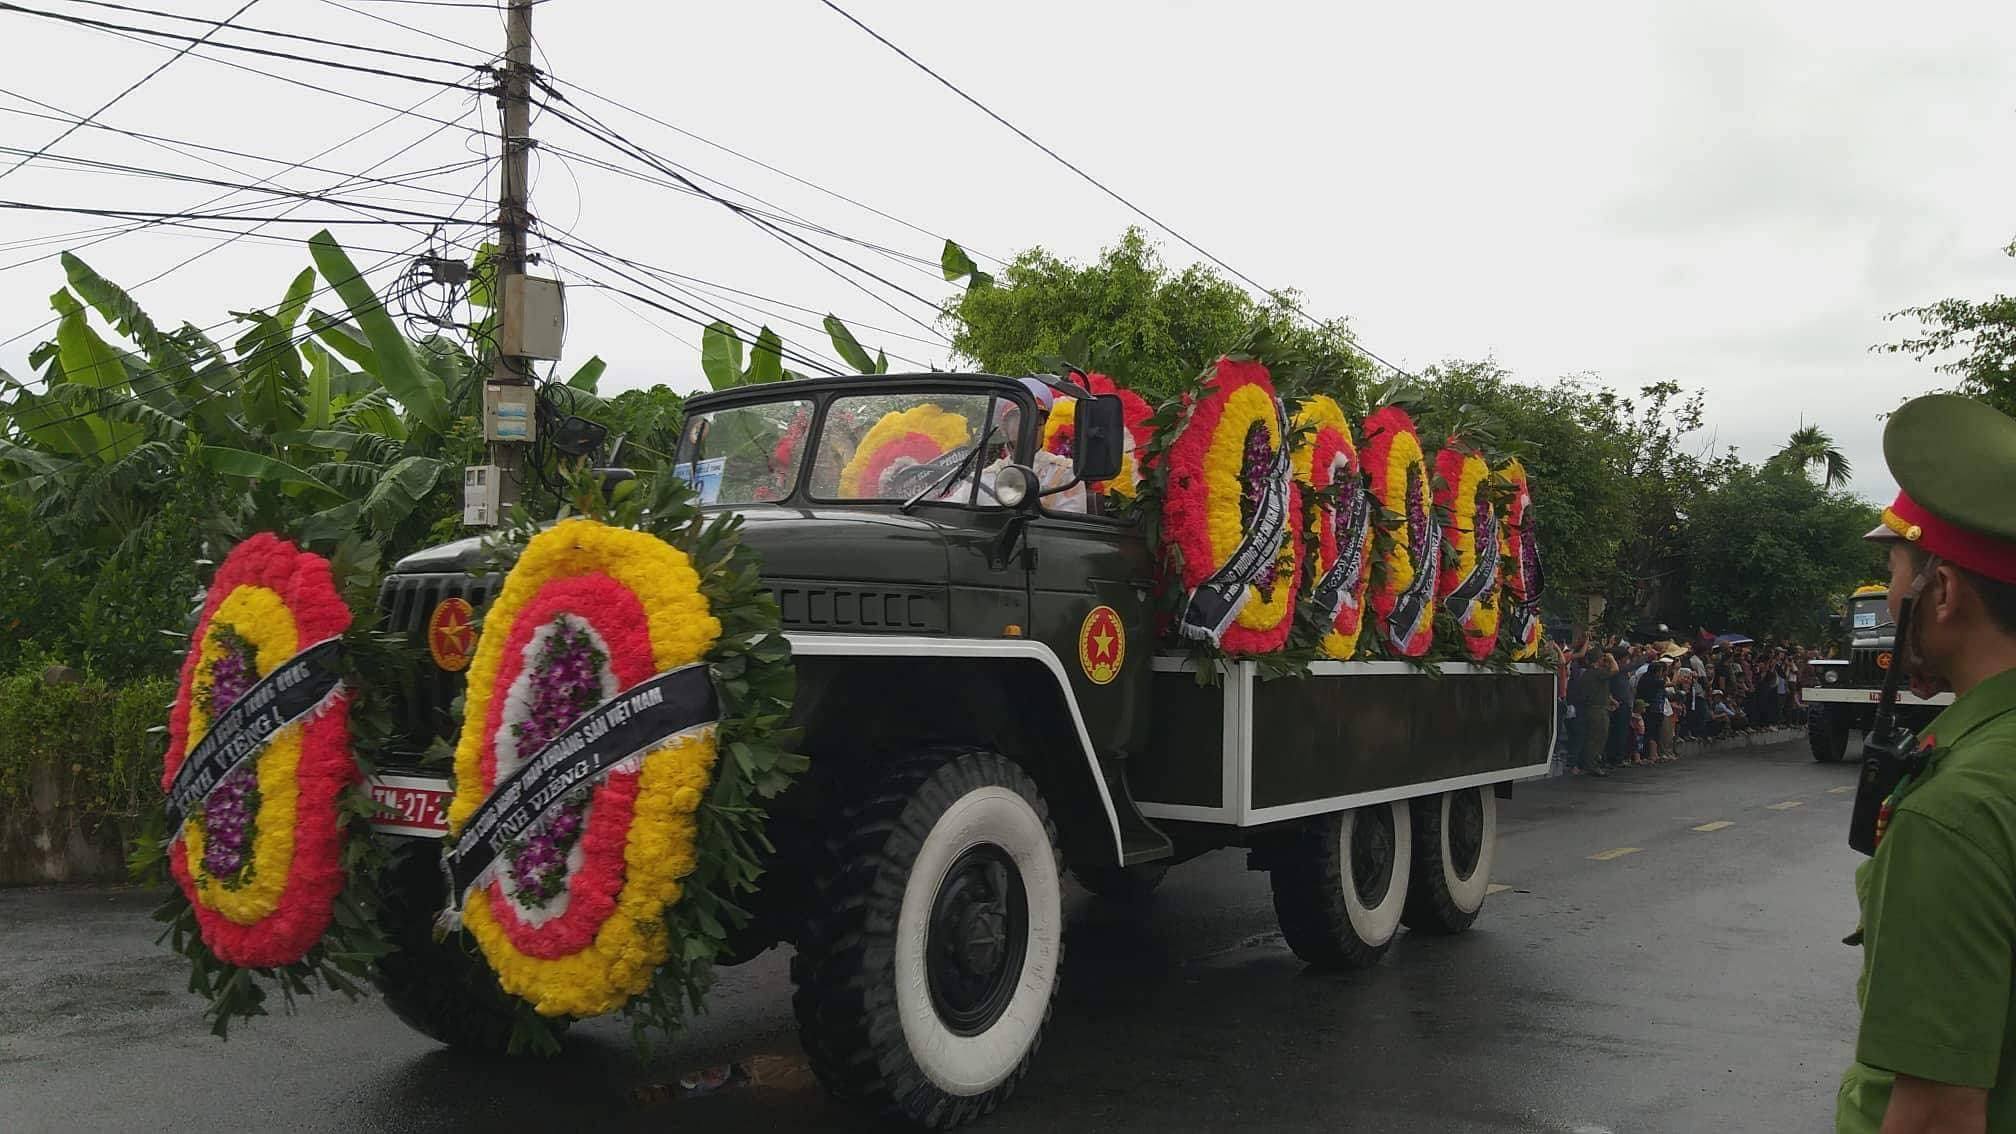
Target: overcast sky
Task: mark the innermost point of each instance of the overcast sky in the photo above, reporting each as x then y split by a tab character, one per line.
1727	194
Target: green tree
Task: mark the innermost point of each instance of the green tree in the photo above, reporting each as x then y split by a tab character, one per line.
1769	550
1984	334
1811	447
1129	315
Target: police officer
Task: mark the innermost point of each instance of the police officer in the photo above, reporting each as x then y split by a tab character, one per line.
1936	1050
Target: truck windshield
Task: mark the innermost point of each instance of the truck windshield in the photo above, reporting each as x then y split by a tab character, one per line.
746	454
893	446
1870	617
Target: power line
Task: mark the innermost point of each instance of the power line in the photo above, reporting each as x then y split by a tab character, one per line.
235	187
144	214
1277	297
283	35
760	163
603	133
396	155
136	85
206	41
403	181
291	81
696	314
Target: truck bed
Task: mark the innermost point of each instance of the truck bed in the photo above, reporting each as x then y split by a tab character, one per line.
1245	752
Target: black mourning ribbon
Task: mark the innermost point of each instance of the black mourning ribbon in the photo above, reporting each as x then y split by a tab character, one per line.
1341	581
632	722
1525	612
1216	601
1484	575
1418	600
297	688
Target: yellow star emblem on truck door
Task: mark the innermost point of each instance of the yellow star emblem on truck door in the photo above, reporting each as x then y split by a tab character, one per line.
1102	645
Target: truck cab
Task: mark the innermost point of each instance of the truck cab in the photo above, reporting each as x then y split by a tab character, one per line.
1843	700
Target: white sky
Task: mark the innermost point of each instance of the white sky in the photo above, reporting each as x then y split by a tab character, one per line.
1727	194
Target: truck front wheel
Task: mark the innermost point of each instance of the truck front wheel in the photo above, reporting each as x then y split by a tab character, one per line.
1340	883
441	989
1827	734
1455	840
926	970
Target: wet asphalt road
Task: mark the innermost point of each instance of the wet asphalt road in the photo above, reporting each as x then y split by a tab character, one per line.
1695	982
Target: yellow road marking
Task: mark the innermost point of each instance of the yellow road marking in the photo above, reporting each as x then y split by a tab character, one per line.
1495	888
1715	826
1614	852
1785	806
1844	789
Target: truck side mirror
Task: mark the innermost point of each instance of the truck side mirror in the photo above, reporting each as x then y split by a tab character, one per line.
1099	438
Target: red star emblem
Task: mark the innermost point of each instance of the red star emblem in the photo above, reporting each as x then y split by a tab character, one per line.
450	637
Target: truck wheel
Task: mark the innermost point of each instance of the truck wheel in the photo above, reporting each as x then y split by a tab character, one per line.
1827	734
441	989
925	973
1455	841
1340	884
1122	883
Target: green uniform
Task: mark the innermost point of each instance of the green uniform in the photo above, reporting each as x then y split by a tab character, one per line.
1939	921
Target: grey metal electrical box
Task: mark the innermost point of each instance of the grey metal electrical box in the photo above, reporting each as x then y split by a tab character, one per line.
534	318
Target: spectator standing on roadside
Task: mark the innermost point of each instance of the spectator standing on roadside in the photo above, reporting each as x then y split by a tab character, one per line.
1592	707
1618	748
1652	692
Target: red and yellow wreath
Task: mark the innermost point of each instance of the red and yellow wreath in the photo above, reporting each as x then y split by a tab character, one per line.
260	856
1519	546
573	919
1409	562
1333	484
1228	508
900	439
1060	427
1469	583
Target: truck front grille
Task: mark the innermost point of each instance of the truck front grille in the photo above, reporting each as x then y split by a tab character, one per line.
420	704
1863	670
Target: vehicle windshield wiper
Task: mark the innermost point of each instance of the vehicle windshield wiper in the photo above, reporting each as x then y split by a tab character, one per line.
955	472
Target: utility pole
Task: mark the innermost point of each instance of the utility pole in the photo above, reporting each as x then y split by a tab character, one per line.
510	416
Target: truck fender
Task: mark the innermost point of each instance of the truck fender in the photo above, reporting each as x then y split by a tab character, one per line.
1019	650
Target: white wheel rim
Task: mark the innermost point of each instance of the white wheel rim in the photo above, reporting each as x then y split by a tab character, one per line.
971	1065
1376	924
1467	894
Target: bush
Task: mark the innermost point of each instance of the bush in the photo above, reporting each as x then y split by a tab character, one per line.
92	738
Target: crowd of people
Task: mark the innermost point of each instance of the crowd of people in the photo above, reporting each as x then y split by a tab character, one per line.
1636	704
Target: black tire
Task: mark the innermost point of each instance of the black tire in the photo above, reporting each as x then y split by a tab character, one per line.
442	989
925	977
1455	845
1126	884
1827	735
1340	882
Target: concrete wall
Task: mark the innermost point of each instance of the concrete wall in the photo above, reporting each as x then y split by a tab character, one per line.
57	841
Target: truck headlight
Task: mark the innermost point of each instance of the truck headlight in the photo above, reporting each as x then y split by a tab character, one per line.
1829	677
1013	485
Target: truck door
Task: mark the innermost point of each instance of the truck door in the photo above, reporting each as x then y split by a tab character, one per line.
1090	601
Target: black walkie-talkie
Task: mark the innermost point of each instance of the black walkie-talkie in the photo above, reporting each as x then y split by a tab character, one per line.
1889	751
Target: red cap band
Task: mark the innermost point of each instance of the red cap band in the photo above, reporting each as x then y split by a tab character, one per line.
1962	547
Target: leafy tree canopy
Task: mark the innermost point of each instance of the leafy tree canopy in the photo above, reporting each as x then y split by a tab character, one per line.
1771	552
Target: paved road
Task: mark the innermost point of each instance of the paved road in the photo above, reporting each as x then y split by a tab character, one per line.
1642	973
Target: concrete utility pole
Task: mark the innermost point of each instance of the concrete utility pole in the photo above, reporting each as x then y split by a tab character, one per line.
509	417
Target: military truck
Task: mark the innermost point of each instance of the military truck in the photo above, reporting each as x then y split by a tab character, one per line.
985	709
1843	699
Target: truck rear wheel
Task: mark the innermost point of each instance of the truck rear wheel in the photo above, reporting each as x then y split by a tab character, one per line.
1455	841
1341	882
441	989
925	975
1827	734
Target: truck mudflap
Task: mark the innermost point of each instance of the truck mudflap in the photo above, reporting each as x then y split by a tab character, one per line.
1350	734
410	804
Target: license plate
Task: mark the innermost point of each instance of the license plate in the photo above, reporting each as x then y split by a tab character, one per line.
411	805
1865	619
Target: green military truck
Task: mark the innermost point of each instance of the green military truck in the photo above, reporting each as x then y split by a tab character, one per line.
985	708
1842	699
